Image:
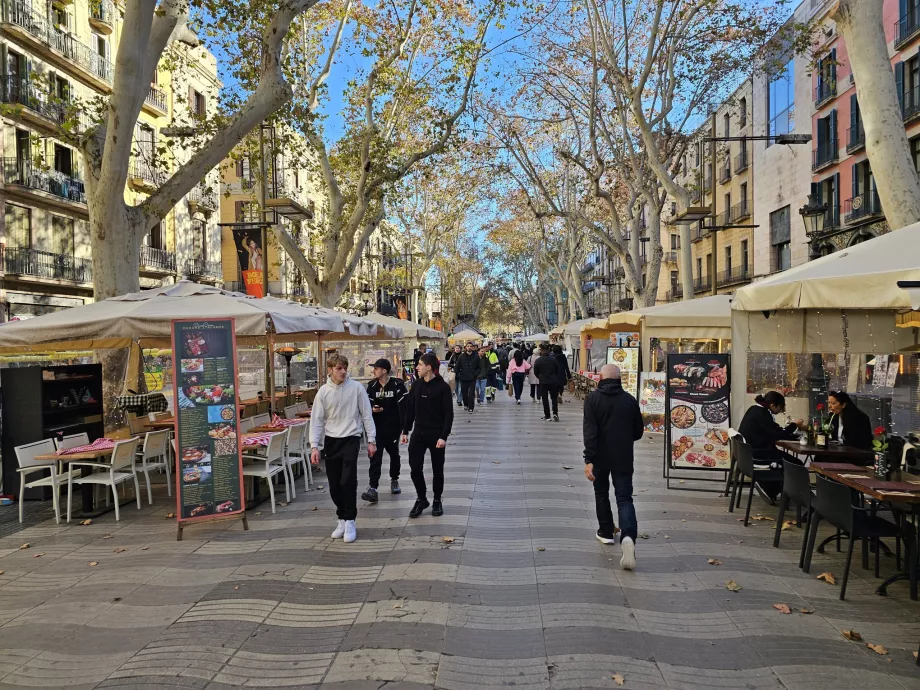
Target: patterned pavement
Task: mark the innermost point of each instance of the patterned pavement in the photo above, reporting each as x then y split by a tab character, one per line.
523	596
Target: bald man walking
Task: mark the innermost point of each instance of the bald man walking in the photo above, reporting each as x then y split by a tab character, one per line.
612	425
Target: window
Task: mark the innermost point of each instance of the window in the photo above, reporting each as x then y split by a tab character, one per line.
699	269
197	103
59	16
247	212
827	76
728	204
742	112
17	66
63	160
146	144
23	146
61	88
200	240
728	261
744	192
915	152
154	238
709	266
727	124
675	241
826	145
62	236
783	258
781	101
745	261
828	192
18	227
674	281
780	239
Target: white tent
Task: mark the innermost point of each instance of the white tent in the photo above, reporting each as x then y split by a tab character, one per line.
464	336
409	329
847	302
536	338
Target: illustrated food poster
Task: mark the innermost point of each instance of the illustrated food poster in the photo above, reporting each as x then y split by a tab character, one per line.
627	359
209	466
698	402
651	400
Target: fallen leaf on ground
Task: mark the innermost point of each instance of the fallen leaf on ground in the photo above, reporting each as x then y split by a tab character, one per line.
120	549
877	648
782	608
681	481
117	599
1	572
567	467
806	611
39	555
761	518
643	536
236	587
284	503
852	635
733	586
92	564
397	605
107	536
258	513
916	655
787	524
496	462
315	508
828	578
86	522
448	540
667	536
25	546
540	548
618	679
169	516
714	561
320	486
144	548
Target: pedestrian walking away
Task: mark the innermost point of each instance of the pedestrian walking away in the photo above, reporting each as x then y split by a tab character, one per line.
429	417
341	411
482	378
565	373
385	393
532	376
546	369
517	374
612	425
452	367
467	369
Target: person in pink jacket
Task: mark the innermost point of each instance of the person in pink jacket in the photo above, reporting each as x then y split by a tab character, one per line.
517	373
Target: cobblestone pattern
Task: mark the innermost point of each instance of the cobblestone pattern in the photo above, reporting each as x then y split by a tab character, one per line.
520	594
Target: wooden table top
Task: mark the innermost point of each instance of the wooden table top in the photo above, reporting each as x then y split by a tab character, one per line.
266	428
863	479
76	457
832	452
161	424
304	415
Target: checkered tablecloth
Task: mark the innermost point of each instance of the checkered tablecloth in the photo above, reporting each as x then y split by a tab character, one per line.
279	423
143	403
98	444
257	439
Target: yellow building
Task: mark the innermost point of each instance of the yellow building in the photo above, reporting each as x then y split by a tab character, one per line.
54	53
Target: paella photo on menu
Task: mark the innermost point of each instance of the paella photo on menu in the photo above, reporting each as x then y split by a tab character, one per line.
698	403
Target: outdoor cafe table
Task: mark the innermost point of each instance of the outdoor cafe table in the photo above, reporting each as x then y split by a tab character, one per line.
89	507
832	453
250	442
904	497
305	415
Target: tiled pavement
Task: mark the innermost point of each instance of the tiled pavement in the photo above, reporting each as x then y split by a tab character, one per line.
524	596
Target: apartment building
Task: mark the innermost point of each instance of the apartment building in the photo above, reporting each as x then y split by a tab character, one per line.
55	55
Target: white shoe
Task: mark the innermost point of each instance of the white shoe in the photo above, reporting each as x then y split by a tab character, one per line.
628	560
339	530
350	532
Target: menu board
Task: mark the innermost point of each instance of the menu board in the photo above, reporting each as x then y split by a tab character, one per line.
627	359
651	400
698	403
209	473
625	339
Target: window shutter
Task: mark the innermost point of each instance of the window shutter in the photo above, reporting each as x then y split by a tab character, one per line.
239	168
816	192
854	113
855	180
899	82
238	210
820	74
191	100
833	67
835	202
832	129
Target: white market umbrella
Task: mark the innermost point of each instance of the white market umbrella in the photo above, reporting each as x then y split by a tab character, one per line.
537	338
466	335
409	329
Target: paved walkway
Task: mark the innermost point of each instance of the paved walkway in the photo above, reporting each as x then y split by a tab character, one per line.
522	596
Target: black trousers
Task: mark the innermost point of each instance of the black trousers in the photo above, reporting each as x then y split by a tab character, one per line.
533	391
469	393
341	456
418	444
622	491
390	444
547	392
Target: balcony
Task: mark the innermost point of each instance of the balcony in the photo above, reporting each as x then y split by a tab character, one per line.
856	137
734	276
826	154
674	294
590	264
40	107
145	175
910	106
206	270
102	16
155	101
25	174
24	261
707	184
696	195
907	27
589	286
832	219
825	91
157	260
725	173
724	219
702	284
866	205
741	210
57	44
698	234
287	198
741	161
670	257
202	198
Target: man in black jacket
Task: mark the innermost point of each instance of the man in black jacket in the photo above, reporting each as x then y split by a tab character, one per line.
431	411
385	393
612	425
565	374
467	370
452	367
546	369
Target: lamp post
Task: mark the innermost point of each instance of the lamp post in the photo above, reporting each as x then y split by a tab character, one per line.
813	213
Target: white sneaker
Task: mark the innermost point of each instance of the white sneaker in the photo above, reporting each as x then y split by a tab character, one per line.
339	530
350	532
628	560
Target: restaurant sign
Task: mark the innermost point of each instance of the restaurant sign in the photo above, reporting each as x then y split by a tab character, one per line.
209	476
698	402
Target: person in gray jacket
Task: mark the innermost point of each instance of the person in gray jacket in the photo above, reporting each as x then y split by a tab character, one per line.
340	411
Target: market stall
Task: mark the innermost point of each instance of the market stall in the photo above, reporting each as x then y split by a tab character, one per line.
464	337
598	334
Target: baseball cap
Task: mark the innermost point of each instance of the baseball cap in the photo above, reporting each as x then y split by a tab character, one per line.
383	364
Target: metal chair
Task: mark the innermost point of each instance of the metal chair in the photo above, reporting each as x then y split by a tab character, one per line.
153	456
271	464
261	419
745	468
137	425
245	425
25	456
290	412
119	469
263	407
71	441
296	453
796	489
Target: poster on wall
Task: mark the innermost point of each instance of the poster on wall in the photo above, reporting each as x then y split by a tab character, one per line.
698	403
651	400
248	241
209	475
627	359
625	339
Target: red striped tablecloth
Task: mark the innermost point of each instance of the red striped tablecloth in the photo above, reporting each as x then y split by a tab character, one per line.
98	444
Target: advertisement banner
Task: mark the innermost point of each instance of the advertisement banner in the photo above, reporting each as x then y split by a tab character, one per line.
699	404
209	477
248	242
627	359
651	400
626	339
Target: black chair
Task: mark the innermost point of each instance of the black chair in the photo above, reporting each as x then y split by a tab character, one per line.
796	489
836	504
745	469
730	477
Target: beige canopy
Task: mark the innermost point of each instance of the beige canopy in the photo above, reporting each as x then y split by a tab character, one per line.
466	335
409	329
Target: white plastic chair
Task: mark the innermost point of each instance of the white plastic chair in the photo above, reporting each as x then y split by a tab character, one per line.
119	469
245	425
261	419
290	412
268	465
25	456
137	425
299	453
154	456
302	407
71	441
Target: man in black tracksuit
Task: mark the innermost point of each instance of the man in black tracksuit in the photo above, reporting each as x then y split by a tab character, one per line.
467	370
612	425
546	369
430	409
386	394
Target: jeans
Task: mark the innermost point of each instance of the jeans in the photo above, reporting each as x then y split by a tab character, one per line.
418	444
517	380
458	389
533	391
469	393
481	385
391	446
547	392
341	456
622	491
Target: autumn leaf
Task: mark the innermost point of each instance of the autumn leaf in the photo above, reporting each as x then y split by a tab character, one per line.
878	649
258	513
788	524
916	654
761	518
92	564
86	522
107	536
397	605
643	536
714	561
236	587
447	540
39	555
169	516
315	508
567	467
828	578
25	546
540	548
120	549
782	608
1	572
618	679
144	548
852	635
806	611
284	503
496	462
733	586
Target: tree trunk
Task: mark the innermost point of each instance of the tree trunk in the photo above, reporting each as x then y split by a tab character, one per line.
686	262
886	140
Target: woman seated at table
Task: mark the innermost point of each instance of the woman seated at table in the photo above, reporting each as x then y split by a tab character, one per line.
761	432
849	425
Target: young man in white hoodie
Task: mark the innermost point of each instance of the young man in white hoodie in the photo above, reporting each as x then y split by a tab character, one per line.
340	410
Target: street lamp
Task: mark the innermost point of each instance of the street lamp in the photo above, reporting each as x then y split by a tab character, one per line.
813	214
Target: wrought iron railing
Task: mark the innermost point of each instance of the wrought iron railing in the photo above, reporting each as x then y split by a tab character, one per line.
862	206
731	276
741	161
203	269
856	137
102	11
160	259
741	210
203	197
825	91
825	154
23	172
156	97
33	262
908	25
702	284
